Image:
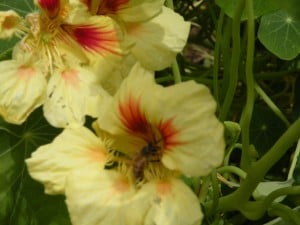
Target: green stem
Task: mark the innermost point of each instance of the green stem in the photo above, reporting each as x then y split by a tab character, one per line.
233	147
176	72
164	79
292	190
235	57
254	210
204	189
275	75
217	58
294	161
250	97
271	104
232	169
285	212
215	194
170	4
259	169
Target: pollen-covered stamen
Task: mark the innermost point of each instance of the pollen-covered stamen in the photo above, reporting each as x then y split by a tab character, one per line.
9	23
94	38
51	7
111	6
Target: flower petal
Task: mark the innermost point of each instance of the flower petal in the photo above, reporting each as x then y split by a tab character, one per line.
100	197
69	94
74	148
97	35
158	41
51	7
9	21
173	203
125	117
112	81
130	10
194	139
143	112
22	90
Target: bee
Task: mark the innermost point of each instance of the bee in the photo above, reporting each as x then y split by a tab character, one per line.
141	159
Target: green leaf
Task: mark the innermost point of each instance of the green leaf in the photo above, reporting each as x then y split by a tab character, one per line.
265	188
22	7
23	201
265	128
6	175
260	7
279	32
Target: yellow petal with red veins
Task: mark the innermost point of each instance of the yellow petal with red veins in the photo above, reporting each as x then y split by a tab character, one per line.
101	40
172	203
130	10
74	148
22	89
158	41
179	119
9	21
51	7
97	35
125	117
69	96
100	197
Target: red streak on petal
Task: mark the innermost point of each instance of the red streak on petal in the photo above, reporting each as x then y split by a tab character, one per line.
52	7
94	38
169	134
134	119
71	77
111	6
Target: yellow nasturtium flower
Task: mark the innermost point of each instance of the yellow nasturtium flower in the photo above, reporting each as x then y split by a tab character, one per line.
58	42
158	33
180	120
152	135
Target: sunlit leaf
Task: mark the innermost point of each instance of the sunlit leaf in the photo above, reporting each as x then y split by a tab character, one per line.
279	32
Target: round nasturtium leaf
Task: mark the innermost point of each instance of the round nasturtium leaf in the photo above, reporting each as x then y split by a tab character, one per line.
279	32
